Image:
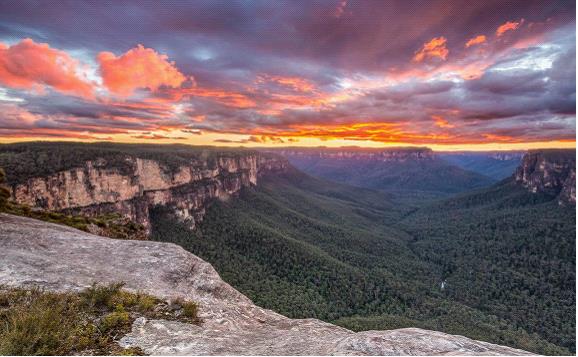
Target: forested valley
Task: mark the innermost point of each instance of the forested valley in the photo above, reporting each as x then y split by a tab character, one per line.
497	264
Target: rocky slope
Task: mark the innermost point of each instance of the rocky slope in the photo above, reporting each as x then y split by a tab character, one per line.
549	171
54	257
98	187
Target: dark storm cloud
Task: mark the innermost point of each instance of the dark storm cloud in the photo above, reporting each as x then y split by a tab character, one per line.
374	34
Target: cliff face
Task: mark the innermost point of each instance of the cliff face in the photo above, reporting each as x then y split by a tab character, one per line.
549	171
404	172
97	187
384	155
507	156
40	254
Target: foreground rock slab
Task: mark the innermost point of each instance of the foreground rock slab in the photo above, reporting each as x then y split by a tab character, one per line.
35	253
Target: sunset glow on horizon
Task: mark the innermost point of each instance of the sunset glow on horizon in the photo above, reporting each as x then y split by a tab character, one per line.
477	76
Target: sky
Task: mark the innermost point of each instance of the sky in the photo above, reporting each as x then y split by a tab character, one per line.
447	74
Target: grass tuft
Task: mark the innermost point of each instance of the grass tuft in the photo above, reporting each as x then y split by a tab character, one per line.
101	296
190	309
38	322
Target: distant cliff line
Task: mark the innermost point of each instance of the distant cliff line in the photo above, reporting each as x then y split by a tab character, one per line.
400	153
125	180
94	179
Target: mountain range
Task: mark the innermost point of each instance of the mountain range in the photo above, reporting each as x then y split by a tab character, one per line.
495	164
407	173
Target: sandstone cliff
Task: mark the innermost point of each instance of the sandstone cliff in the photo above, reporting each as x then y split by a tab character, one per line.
60	258
344	153
551	172
98	187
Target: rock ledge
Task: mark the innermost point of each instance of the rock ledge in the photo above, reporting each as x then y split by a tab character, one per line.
35	253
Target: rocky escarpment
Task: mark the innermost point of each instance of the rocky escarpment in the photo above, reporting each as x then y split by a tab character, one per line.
98	186
507	156
404	171
345	153
40	254
551	172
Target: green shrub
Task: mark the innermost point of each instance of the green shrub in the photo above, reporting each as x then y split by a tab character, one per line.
117	320
190	309
35	322
146	302
39	324
101	296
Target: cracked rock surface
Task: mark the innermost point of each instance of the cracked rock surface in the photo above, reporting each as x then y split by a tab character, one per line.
35	253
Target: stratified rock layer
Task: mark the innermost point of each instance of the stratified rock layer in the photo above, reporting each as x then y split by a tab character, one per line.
400	154
35	253
549	171
97	188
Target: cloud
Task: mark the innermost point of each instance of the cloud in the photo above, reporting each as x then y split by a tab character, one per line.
294	83
223	96
508	26
476	40
340	9
16	117
155	136
436	48
262	139
36	66
370	36
523	95
192	131
441	122
19	122
351	80
139	67
229	141
265	139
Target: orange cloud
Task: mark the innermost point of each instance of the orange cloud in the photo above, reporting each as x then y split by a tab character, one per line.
295	83
501	138
371	131
441	122
14	116
138	68
476	40
265	139
508	26
386	132
231	99
35	66
434	48
228	98
155	136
